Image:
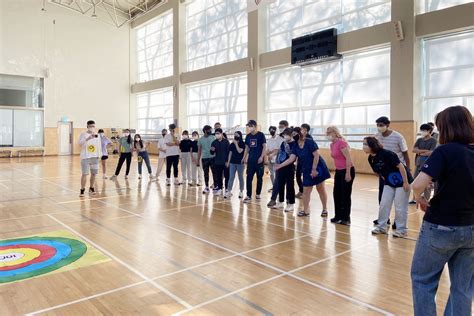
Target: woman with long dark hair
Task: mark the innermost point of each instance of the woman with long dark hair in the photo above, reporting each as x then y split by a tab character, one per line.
447	232
142	153
126	147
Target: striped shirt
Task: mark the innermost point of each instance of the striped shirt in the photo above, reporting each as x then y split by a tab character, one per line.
394	142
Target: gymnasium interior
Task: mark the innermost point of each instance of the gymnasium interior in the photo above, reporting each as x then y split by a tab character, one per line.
143	246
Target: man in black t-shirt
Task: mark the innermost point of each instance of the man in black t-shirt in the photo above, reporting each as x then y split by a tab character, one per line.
255	148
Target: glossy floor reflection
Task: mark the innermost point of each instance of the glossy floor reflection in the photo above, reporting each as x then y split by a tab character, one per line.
173	250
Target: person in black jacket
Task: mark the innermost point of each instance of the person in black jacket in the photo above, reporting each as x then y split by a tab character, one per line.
220	147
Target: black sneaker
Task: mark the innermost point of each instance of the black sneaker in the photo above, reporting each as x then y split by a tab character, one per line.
335	220
92	191
81	194
394	226
412	202
271	203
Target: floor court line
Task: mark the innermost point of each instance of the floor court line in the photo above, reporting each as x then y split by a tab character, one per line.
256	260
108	253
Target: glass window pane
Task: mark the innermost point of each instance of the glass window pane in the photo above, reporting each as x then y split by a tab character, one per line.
21	91
433	5
6	127
28	128
155	110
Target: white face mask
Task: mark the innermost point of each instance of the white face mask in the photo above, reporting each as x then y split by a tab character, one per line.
137	139
281	130
382	129
91	129
219	136
288	138
366	148
251	129
425	133
195	137
101	134
185	136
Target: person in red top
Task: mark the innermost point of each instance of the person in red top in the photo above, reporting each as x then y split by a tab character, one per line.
343	178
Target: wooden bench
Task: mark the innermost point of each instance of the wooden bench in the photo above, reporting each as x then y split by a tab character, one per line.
30	152
6	153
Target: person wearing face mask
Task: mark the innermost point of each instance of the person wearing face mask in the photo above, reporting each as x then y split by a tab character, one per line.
161	153
196	171
273	146
282	125
343	178
105	142
205	157
396	179
126	147
395	142
91	151
285	168
313	168
234	163
185	147
299	175
254	155
220	148
142	154
423	149
172	155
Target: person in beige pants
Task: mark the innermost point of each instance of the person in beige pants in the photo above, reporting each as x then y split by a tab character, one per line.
196	170
162	154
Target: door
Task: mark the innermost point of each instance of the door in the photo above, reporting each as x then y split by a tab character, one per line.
65	138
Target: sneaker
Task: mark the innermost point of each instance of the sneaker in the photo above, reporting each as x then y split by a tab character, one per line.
126	177
247	199
394	226
345	223
271	203
258	197
198	184
205	191
214	191
104	177
113	178
168	182
92	191
176	182
399	234
191	184
378	231
299	195
279	205
335	220
227	194
412	202
241	194
218	192
81	194
269	190
289	208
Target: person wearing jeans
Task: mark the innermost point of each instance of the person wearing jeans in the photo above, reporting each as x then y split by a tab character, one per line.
396	190
172	155
447	232
343	178
142	155
255	148
205	157
234	162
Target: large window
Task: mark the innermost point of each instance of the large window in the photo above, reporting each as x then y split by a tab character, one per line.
216	32
223	101
155	110
155	48
433	5
290	19
350	93
448	73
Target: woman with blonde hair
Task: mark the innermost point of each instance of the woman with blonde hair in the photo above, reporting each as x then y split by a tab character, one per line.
343	178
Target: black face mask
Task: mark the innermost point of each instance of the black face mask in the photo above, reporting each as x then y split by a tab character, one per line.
163	134
272	132
236	137
296	137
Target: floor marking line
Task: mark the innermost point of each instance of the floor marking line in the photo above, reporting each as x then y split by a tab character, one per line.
126	265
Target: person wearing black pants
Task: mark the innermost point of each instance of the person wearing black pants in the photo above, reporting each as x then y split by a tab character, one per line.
285	171
126	147
172	162
343	178
207	164
255	148
220	148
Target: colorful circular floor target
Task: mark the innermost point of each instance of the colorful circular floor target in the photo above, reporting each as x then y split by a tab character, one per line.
25	258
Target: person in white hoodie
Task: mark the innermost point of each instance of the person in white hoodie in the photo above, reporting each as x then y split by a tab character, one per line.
91	151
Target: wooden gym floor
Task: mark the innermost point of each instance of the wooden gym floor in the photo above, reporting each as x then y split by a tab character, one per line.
174	250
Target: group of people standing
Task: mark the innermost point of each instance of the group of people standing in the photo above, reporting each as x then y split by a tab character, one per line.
447	232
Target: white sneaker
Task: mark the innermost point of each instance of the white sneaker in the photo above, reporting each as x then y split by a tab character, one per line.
258	197
104	177
279	205
241	194
290	208
399	234
113	178
176	181
151	177
205	191
247	199
218	192
227	194
168	182
379	231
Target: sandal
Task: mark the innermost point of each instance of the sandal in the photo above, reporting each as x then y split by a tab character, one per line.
324	213
302	214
